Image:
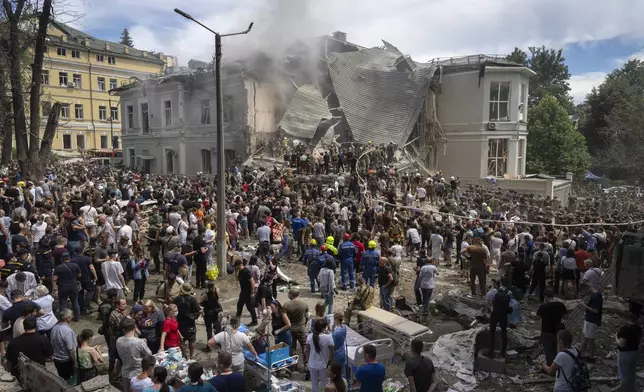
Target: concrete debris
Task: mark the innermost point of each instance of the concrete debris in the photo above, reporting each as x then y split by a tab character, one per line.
454	353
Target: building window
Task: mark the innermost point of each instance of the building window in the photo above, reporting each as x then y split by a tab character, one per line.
132	155
45	49
78	111
102	113
67	142
101	84
113	84
78	81
228	109
206	161
497	157
169	161
44	78
145	121
46	108
205	111
167	113
80	142
130	116
64	110
523	102
75	54
62	79
100	58
520	160
114	113
111	60
104	141
62	52
500	101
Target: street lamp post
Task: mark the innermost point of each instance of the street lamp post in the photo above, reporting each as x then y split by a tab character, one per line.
221	159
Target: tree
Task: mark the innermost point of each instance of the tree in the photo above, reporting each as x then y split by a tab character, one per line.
613	123
33	151
554	145
126	38
552	75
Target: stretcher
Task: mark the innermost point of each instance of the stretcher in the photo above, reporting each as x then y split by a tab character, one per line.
399	329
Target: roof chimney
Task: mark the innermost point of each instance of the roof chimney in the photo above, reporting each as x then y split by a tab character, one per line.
107	46
144	54
126	50
340	36
63	38
86	41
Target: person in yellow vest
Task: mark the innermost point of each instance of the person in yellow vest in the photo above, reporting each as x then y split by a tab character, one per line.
329	245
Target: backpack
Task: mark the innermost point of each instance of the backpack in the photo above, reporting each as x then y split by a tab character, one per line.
501	302
104	311
579	380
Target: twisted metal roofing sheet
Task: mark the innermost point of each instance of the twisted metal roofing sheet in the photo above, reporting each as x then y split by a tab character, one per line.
305	111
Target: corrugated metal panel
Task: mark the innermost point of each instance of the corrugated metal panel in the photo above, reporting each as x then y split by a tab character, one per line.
305	111
380	102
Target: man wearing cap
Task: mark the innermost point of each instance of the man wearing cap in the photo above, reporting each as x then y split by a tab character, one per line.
348	253
188	314
246	288
66	276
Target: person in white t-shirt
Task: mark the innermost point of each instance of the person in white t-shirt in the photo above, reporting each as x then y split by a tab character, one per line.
233	342
427	279
413	240
396	251
320	350
563	363
436	241
496	242
113	272
422	194
90	215
125	231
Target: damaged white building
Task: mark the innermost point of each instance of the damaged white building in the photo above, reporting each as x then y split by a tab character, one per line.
465	117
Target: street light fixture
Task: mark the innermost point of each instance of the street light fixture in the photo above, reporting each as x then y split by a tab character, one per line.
221	160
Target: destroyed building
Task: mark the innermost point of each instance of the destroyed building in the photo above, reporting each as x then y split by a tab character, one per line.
464	116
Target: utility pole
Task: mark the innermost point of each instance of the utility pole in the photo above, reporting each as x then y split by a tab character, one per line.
221	159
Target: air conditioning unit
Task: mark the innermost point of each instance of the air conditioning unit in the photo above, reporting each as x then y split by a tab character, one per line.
491	126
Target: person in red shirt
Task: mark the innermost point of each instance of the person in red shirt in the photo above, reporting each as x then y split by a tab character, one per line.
356	241
170	335
580	257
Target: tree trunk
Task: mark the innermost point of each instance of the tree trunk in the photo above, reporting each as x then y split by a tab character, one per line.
36	84
13	11
6	116
42	160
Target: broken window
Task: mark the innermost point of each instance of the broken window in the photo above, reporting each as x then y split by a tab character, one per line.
500	101
205	111
497	157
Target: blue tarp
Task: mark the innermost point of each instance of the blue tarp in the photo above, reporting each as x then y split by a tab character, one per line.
592	177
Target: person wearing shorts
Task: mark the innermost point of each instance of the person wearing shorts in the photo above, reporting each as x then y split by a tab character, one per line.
189	310
592	319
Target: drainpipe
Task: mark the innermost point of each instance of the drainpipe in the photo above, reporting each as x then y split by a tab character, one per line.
91	98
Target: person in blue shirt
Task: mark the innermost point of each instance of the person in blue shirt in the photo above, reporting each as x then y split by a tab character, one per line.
369	263
371	375
339	335
227	380
298	224
310	259
348	253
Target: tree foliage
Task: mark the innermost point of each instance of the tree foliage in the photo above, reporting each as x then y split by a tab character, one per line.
613	123
552	75
554	145
126	38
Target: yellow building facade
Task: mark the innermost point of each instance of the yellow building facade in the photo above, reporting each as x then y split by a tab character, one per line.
79	71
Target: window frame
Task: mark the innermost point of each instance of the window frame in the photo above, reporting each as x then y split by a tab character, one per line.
129	116
61	51
495	145
521	157
113	82
44	77
65	111
107	145
76	52
111	60
498	102
45	108
102	112
100	80
100	58
144	129
167	113
78	84
81	137
206	161
206	116
114	113
62	75
70	142
78	108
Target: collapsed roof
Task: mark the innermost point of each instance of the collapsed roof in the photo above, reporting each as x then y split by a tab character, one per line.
379	91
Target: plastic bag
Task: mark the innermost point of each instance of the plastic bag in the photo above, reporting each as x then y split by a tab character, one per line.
213	272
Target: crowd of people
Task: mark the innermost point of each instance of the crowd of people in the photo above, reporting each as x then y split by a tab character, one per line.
86	237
